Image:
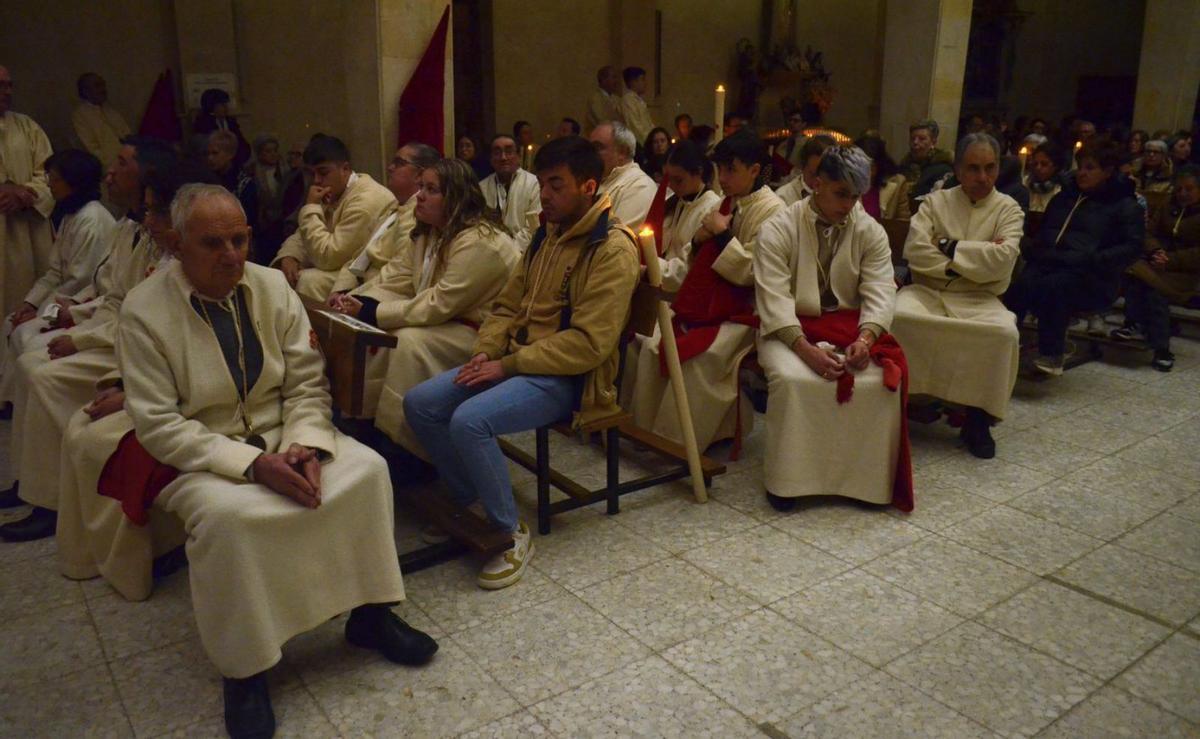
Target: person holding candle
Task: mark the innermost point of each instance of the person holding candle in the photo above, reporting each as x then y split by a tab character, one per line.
1042	175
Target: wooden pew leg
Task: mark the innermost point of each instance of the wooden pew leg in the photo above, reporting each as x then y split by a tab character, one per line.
543	479
613	459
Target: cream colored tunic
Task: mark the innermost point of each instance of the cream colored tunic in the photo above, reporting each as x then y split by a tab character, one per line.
327	237
814	445
25	238
601	107
391	236
710	378
519	204
262	567
961	342
893	198
793	191
636	115
433	305
100	129
631	191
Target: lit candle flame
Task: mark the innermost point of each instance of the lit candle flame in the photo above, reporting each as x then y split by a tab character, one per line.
720	88
646	231
1078	144
1024	150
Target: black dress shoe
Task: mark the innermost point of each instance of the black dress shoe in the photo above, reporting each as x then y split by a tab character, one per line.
39	524
780	503
977	434
248	713
375	627
10	498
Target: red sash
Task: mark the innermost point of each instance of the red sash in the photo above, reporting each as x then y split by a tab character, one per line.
706	300
134	478
840	328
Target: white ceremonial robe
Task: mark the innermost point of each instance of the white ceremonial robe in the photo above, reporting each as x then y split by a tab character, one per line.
99	129
636	115
601	106
433	304
328	236
793	191
961	342
393	234
816	446
25	237
631	191
262	568
711	379
519	204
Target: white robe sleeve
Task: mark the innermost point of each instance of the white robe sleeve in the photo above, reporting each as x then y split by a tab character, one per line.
773	278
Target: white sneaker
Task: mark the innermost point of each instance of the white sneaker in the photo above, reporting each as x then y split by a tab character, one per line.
432	534
1052	366
507	567
1097	326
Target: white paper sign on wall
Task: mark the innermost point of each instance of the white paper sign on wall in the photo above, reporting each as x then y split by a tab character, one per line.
196	84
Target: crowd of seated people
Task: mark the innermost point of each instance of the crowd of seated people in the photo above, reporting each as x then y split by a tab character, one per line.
168	388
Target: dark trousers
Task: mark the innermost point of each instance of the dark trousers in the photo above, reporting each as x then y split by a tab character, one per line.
1149	309
1053	296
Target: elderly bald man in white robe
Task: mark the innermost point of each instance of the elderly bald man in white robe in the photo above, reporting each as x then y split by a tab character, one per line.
289	522
961	342
629	188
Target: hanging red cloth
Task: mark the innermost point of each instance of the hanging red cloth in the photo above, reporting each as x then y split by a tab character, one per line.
840	328
134	478
422	111
159	120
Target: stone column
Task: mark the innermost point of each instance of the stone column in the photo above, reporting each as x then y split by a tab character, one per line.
924	58
1169	70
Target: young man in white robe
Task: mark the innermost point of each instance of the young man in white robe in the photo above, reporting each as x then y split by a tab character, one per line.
604	104
341	211
821	260
630	190
961	342
391	236
634	111
809	156
511	192
98	125
25	200
289	522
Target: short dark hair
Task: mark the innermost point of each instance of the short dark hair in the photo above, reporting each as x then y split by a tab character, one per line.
501	135
517	129
689	156
211	98
165	182
743	146
729	116
1187	171
1101	150
576	129
323	149
83	78
632	73
929	125
682	117
151	154
815	147
576	152
1053	152
876	148
79	169
424	155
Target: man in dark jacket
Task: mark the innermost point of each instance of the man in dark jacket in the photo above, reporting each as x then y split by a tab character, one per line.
1091	233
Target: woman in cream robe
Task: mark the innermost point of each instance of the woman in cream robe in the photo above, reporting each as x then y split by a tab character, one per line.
262	567
816	446
711	378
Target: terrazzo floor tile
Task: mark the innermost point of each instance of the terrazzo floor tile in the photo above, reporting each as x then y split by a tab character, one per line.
766	666
939	506
1177	456
24	551
1138	581
994	479
666	602
1089	432
1023	540
951	575
881	706
27	587
765	563
1147	485
989	678
517	726
851	532
48	642
127	628
870	618
1081	631
447	697
679	523
451	597
322	652
1136	414
1045	453
591	552
81	704
550	648
1189	509
1074	506
296	715
647	698
1168	677
1168	537
1113	714
744	491
176	686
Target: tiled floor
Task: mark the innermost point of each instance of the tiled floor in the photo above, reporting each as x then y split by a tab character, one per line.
1053	591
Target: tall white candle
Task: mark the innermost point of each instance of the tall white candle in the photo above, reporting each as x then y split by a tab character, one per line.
720	113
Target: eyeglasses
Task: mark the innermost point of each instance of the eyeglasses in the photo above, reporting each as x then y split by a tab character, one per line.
399	162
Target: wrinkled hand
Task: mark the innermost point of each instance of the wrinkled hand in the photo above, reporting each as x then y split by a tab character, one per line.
316	195
25	313
290	266
480	370
107	401
1159	259
345	304
825	362
290	474
716	224
64	318
8	200
62	346
26	196
858	354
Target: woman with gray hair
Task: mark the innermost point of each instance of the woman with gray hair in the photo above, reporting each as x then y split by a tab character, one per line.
825	292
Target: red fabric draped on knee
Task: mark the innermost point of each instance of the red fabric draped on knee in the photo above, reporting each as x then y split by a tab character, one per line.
134	478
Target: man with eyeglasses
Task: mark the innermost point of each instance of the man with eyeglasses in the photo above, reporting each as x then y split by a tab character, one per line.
511	192
789	149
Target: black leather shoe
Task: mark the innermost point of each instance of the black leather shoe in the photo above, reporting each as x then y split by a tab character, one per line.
977	434
376	627
10	498
248	713
780	503
39	524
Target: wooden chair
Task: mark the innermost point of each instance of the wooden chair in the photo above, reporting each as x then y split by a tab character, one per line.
897	233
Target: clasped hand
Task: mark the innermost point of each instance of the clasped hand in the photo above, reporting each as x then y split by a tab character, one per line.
827	363
345	304
479	371
295	473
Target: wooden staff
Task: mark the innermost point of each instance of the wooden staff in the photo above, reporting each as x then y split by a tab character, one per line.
674	369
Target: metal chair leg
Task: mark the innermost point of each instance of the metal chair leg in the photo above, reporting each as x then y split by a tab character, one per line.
613	476
543	479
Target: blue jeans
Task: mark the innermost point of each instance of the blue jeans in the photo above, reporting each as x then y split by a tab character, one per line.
458	426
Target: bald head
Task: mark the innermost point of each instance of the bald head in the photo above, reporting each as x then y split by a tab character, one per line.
6	88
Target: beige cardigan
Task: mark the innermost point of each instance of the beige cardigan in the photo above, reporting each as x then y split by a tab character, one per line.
328	237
